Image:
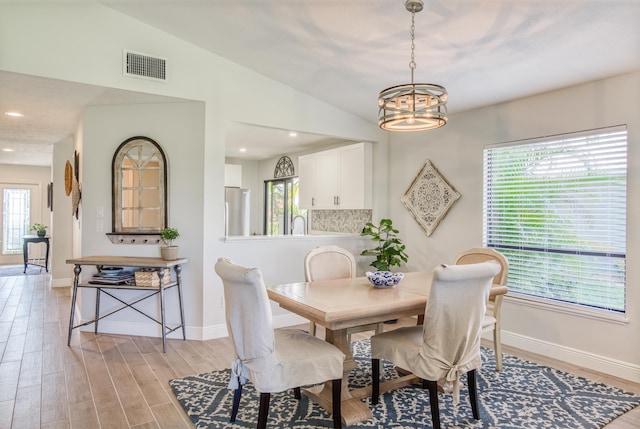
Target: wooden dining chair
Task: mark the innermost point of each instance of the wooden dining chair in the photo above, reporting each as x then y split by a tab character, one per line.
448	344
329	263
498	291
274	360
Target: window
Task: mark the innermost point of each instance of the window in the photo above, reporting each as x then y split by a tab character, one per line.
282	215
16	211
556	208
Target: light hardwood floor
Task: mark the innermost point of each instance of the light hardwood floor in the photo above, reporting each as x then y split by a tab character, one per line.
111	381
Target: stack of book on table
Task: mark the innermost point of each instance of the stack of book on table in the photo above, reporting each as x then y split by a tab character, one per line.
112	276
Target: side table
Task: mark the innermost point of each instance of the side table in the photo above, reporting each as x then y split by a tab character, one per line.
151	264
33	261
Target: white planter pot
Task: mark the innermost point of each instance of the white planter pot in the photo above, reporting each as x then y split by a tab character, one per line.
169	253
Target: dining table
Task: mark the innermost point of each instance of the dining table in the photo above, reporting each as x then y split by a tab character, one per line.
344	303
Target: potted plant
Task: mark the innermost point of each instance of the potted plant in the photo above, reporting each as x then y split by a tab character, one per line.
389	250
40	229
169	252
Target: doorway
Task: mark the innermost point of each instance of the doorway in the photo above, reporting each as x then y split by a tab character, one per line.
19	202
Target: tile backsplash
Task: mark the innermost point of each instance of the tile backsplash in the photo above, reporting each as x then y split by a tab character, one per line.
339	221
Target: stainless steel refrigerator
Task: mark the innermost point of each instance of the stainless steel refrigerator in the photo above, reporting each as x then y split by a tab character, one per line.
237	211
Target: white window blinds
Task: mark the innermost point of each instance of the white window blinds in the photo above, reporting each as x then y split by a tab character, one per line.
556	208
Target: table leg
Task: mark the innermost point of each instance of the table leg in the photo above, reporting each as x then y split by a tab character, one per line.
97	317
353	410
178	270
76	271
162	320
25	255
46	257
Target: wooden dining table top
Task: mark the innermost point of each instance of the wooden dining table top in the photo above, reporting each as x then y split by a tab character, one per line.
343	303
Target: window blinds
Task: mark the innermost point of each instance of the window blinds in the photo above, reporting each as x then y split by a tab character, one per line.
556	208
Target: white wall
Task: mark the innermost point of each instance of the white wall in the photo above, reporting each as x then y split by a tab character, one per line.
83	42
456	150
178	128
62	223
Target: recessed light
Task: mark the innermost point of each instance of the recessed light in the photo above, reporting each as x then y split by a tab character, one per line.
242	149
293	134
6	149
14	114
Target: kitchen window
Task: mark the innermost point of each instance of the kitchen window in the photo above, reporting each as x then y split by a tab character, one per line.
556	208
282	214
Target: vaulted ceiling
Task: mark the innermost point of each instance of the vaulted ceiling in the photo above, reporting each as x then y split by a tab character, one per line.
345	52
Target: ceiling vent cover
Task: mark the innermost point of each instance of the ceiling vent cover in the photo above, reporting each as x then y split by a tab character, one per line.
144	66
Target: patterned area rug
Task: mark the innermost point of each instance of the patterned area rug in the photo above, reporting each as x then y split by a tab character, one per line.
524	395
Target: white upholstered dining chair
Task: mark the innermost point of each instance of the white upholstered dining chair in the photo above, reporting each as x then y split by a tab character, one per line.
492	319
448	344
274	361
329	263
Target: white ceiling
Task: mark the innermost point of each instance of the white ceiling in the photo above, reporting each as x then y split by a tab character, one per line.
345	52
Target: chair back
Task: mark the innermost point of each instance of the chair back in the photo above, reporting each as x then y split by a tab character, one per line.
482	254
453	319
328	263
248	313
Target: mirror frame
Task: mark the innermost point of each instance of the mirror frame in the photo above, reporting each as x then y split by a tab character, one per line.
116	203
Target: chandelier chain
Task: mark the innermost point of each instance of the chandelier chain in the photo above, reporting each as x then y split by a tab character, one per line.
412	63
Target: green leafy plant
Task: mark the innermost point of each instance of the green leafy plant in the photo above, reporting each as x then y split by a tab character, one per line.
389	250
38	227
168	235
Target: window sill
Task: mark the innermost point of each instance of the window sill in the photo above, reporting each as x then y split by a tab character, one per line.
566	308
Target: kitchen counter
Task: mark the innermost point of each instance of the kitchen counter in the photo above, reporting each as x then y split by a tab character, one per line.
312	235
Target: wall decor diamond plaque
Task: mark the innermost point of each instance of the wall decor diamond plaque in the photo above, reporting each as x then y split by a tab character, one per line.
429	198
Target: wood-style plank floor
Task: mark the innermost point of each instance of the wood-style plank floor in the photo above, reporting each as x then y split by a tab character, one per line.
115	381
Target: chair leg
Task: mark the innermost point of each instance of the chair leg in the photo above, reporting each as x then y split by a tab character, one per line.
375	381
337	405
433	401
473	393
236	402
497	346
263	412
296	393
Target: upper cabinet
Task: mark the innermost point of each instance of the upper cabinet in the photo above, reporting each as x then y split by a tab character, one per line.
337	178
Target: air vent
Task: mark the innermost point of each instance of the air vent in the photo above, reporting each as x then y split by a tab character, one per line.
144	66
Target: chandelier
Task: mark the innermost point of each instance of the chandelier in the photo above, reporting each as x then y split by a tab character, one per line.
414	106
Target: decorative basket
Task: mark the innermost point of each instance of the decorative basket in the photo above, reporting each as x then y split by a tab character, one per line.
151	279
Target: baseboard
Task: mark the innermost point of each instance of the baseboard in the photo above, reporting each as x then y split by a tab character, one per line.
62	282
220	331
573	356
192	333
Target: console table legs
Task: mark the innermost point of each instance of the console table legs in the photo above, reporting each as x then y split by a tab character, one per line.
76	272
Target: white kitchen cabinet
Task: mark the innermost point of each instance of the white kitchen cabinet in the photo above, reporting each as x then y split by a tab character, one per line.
306	181
337	178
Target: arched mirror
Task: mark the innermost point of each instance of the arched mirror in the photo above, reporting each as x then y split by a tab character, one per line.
139	183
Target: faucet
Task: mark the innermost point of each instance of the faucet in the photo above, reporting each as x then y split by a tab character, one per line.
304	224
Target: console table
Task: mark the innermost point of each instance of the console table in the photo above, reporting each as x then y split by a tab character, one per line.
25	252
152	264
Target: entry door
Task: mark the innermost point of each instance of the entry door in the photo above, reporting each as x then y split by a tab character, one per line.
19	202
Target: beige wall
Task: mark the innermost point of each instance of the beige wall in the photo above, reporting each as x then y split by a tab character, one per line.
456	150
